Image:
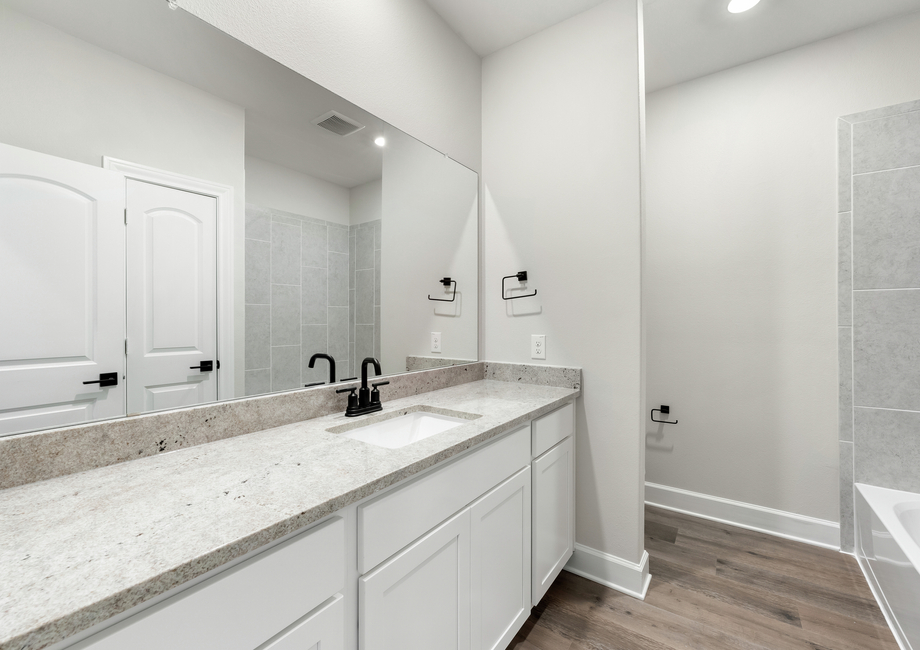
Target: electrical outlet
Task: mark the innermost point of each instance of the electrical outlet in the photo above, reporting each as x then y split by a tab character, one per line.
538	346
435	341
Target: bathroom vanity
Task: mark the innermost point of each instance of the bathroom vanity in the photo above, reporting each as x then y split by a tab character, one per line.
298	536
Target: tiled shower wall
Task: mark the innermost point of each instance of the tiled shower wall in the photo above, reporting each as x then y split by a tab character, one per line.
300	299
364	281
879	303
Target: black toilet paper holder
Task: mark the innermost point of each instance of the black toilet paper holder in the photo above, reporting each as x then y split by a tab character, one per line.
664	410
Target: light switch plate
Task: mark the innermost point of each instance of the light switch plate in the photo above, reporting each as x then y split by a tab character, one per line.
538	346
435	341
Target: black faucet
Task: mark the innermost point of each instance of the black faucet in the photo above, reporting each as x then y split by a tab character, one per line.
320	355
367	401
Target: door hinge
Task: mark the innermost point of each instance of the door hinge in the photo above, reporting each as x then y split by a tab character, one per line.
126	347
126	216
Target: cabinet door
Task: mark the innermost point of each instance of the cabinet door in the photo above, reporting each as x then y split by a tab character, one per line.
420	599
553	515
323	629
500	563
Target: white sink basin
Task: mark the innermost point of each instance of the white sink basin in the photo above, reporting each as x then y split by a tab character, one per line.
397	432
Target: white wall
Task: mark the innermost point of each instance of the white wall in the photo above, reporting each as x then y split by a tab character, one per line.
741	265
429	229
365	202
561	151
273	186
396	59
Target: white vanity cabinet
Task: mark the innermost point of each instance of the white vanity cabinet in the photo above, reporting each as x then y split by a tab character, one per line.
553	496
279	599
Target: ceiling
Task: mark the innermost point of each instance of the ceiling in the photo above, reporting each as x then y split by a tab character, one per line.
684	39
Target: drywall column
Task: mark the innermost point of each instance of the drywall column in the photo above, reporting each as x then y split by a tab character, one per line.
741	281
561	169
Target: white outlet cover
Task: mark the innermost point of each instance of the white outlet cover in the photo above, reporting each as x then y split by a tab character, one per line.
435	341
537	346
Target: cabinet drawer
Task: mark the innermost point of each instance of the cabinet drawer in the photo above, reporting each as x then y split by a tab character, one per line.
324	629
392	521
553	427
244	606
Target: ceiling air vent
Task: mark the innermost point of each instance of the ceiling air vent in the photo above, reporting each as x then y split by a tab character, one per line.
338	123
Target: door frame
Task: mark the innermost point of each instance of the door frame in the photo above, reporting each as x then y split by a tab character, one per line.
223	194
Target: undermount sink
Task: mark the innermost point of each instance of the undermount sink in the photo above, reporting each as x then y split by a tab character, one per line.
395	430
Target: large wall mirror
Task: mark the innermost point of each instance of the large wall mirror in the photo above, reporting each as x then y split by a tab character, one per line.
183	219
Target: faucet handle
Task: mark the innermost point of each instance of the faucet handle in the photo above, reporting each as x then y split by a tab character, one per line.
375	394
352	398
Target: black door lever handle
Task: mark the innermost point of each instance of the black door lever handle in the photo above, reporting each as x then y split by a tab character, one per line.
105	379
206	366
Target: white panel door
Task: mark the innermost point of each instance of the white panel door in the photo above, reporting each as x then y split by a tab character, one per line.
172	297
553	515
420	599
62	291
500	563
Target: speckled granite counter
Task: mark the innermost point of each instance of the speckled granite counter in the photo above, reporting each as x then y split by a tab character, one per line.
79	549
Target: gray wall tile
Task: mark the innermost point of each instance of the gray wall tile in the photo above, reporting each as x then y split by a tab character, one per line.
287	218
886	349
378	237
285	253
364	346
285	311
888	448
351	261
886	229
364	248
377	268
338	239
351	316
258	382
844	165
847	519
258	223
844	270
377	332
258	337
314	245
845	389
885	111
286	367
258	272
314	296
364	297
886	143
338	280
338	334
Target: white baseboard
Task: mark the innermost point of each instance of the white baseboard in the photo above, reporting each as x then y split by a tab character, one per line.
788	525
609	570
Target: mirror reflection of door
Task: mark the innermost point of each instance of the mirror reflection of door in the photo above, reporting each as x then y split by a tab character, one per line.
172	297
62	289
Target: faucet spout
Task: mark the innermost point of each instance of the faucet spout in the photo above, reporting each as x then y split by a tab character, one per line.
364	397
320	355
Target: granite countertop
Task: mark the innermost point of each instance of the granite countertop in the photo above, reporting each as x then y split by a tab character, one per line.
79	549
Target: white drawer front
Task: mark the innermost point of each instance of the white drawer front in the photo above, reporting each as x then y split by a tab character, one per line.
244	606
553	427
389	523
320	630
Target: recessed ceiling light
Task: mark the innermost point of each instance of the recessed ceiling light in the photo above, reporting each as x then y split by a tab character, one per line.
380	141
737	6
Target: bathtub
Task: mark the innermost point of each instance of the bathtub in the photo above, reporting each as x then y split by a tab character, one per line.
888	551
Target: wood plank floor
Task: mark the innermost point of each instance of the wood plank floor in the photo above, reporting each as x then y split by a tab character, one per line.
715	587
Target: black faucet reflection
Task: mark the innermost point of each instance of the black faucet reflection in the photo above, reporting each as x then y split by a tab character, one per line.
320	355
